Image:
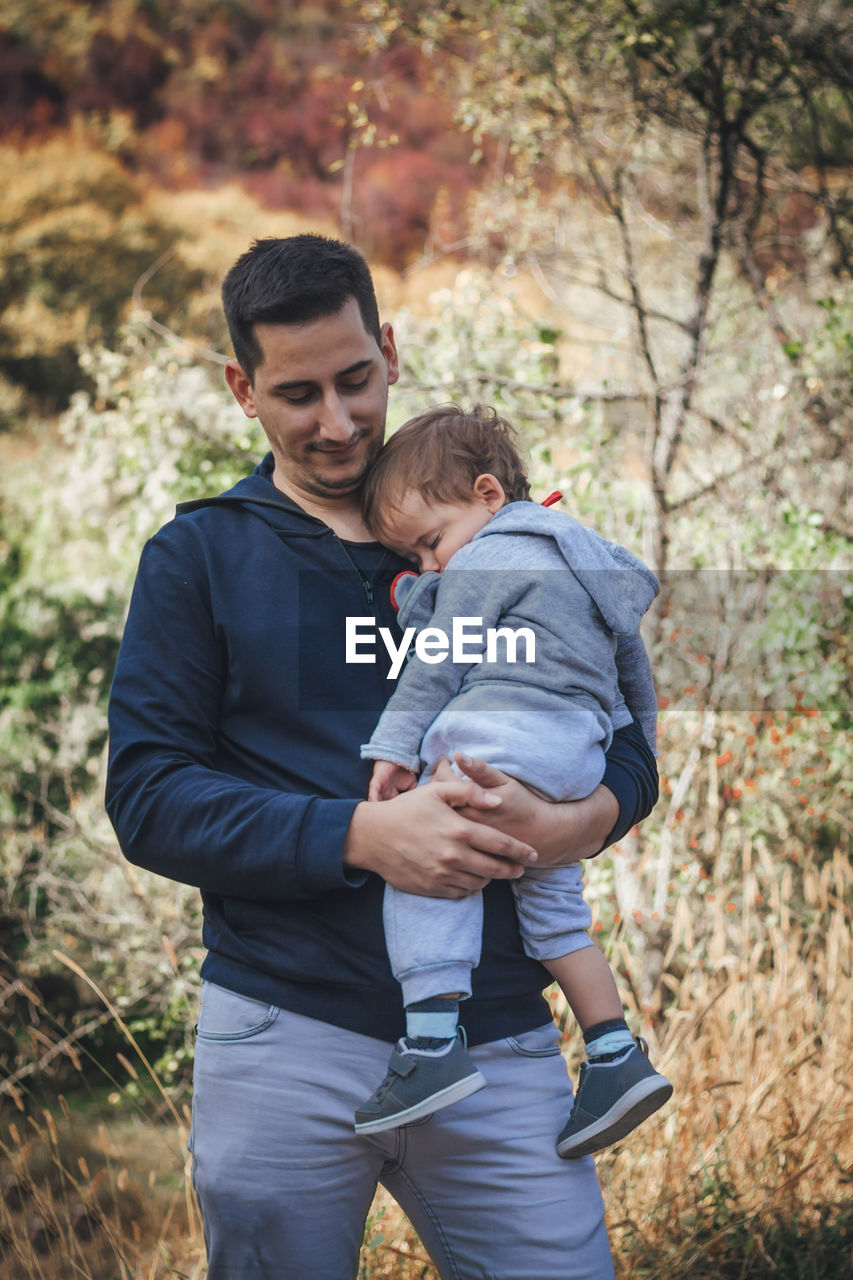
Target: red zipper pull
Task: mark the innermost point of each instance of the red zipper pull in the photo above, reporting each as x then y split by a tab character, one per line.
551	499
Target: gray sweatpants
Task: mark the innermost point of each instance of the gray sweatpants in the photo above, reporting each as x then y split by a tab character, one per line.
284	1182
434	943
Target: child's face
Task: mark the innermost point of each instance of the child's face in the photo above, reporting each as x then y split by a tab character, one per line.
429	532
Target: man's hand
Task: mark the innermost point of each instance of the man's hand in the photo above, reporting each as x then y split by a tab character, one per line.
389	780
562	832
422	843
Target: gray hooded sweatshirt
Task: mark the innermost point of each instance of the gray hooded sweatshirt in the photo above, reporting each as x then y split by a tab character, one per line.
580	599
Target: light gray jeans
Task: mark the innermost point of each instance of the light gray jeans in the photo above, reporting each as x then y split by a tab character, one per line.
285	1184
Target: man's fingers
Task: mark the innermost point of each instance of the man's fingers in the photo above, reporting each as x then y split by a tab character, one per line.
505	856
455	893
466	885
479	771
442	771
479	836
504	852
421	843
457	792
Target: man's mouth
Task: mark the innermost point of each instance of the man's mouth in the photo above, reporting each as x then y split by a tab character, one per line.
338	450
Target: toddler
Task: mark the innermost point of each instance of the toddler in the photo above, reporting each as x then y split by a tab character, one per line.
547	663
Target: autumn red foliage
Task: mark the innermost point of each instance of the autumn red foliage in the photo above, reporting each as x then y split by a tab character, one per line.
281	100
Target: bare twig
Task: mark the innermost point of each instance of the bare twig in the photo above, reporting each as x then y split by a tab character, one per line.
60	1046
144	315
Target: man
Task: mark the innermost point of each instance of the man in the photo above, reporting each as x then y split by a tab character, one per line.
236	723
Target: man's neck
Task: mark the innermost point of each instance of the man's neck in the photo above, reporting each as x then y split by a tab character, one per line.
342	513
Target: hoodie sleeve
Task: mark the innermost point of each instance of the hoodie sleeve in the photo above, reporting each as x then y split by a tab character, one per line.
631	774
637	685
173	811
438	601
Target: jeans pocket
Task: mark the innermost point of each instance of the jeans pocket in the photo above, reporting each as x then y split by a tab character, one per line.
227	1016
542	1042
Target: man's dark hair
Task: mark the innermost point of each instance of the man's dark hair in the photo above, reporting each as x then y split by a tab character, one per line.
293	281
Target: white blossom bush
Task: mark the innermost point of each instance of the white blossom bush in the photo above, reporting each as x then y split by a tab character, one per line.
155	428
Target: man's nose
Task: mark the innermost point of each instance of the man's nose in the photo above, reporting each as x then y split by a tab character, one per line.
335	421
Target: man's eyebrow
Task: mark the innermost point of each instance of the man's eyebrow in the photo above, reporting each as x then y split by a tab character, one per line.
308	382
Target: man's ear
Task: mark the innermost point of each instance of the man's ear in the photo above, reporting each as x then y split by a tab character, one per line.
388	348
490	491
241	388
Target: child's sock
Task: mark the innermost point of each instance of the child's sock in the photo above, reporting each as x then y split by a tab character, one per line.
608	1040
431	1024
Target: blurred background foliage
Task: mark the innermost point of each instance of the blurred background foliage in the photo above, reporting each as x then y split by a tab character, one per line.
105	103
626	224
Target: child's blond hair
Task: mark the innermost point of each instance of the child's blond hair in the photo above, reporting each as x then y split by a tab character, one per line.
439	454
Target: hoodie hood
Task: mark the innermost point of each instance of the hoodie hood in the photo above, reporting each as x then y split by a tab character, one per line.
257	493
622	587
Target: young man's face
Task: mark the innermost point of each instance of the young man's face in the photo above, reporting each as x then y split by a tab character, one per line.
320	394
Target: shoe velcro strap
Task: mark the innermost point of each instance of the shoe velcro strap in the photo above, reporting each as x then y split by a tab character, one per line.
401	1064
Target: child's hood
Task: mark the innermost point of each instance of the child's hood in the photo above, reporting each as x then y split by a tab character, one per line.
622	586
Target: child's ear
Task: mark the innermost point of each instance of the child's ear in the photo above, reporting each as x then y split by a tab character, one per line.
489	490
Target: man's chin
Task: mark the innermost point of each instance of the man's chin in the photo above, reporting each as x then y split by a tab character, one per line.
325	485
338	482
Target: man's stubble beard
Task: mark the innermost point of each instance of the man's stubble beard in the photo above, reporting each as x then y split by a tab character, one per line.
321	487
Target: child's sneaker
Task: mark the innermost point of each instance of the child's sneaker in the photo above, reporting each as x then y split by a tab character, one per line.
419	1082
612	1099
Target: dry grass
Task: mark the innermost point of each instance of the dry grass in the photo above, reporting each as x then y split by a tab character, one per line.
745	1174
754	1156
747	1171
96	1205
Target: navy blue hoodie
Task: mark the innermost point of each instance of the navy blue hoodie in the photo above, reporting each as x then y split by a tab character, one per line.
235	727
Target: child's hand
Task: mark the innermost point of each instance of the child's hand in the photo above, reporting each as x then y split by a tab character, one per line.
389	780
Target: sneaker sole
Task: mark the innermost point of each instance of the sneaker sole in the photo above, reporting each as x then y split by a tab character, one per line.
641	1101
436	1102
